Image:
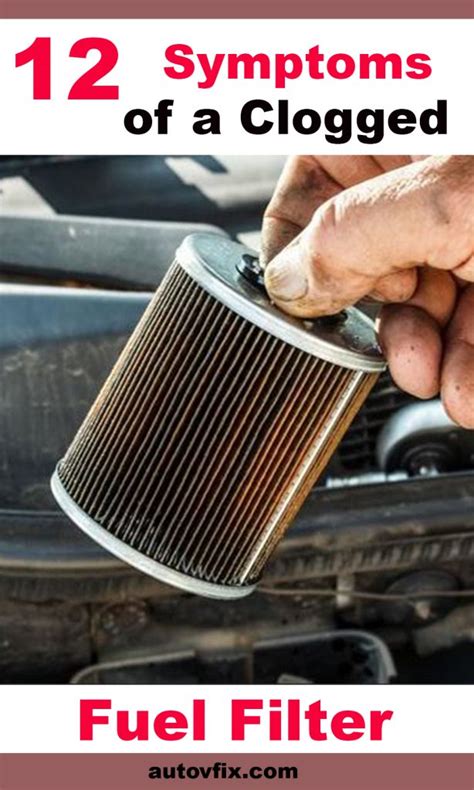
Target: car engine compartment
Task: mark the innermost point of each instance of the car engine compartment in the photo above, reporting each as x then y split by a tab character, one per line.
373	582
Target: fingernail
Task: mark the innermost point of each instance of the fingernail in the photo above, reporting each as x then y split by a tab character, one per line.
284	277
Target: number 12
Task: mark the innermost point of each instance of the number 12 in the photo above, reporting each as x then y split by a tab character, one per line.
39	53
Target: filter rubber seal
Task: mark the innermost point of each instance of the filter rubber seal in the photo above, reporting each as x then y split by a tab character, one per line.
140	561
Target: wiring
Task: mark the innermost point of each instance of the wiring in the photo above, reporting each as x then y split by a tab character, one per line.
365	595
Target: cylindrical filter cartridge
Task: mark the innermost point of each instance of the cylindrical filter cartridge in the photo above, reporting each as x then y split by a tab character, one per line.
214	424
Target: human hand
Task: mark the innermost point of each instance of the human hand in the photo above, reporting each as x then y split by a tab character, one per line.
341	228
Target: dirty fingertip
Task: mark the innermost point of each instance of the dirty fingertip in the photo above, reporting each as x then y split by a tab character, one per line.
285	276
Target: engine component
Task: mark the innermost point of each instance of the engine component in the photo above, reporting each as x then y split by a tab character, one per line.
104	252
214	424
422	440
419	609
342	656
365	479
456	627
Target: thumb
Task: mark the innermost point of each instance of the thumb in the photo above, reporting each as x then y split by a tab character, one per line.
385	227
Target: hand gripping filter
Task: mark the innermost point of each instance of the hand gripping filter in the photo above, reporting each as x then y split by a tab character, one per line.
214	424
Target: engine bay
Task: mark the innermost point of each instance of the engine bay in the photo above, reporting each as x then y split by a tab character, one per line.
372	583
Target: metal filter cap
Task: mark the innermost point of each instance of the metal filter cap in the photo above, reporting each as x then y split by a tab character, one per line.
213	262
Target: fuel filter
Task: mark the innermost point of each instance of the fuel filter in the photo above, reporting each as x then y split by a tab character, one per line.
215	423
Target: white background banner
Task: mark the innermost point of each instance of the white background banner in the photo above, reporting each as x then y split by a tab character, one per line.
424	718
62	125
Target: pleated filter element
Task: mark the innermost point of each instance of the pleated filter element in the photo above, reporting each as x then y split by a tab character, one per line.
214	424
